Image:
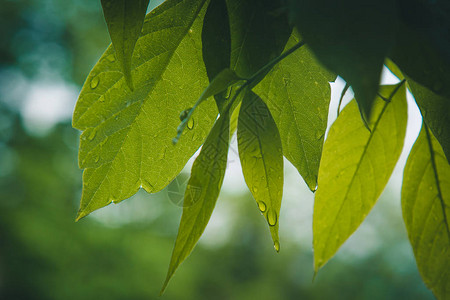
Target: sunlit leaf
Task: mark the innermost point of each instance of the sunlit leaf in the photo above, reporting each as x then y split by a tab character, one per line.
127	135
201	192
261	158
124	19
350	37
355	167
297	93
426	211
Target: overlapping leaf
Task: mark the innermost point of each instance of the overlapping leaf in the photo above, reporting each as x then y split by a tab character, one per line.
202	191
356	165
297	92
426	211
261	158
127	135
350	37
124	19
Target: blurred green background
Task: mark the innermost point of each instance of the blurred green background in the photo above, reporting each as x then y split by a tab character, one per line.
47	48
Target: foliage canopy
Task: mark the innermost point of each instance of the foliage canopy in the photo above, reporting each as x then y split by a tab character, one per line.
268	65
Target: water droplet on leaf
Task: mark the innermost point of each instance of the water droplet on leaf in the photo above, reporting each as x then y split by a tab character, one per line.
272	218
190	123
276	245
184	113
254	189
91	136
261	205
94	82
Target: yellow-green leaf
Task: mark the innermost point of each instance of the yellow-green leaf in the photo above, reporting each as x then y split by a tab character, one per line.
127	135
124	19
426	211
201	192
297	92
355	167
261	158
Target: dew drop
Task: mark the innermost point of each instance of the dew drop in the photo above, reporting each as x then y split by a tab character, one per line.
184	114
261	205
254	189
91	136
276	245
190	123
94	82
272	218
111	58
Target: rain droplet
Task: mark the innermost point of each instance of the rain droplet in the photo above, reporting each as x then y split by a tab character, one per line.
91	136
272	218
94	82
261	205
111	58
190	123
276	245
184	113
254	189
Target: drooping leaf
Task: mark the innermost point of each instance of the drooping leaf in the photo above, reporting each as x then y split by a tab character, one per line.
356	165
350	37
124	19
297	92
435	109
216	43
127	136
219	84
201	192
259	33
426	211
261	158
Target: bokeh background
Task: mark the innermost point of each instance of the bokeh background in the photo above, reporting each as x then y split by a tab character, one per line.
47	48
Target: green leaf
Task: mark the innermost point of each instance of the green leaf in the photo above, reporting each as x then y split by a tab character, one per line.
216	41
219	84
259	33
127	136
201	193
351	38
297	92
435	110
124	19
356	165
426	211
261	158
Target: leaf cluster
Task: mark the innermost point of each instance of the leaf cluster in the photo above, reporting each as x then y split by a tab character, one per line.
268	64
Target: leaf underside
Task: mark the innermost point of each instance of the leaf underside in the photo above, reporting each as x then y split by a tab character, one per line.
297	92
355	167
127	135
261	159
426	211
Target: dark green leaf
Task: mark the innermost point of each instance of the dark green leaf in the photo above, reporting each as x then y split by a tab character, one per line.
259	33
261	158
297	92
356	165
127	136
124	19
351	38
426	211
202	191
435	110
216	42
